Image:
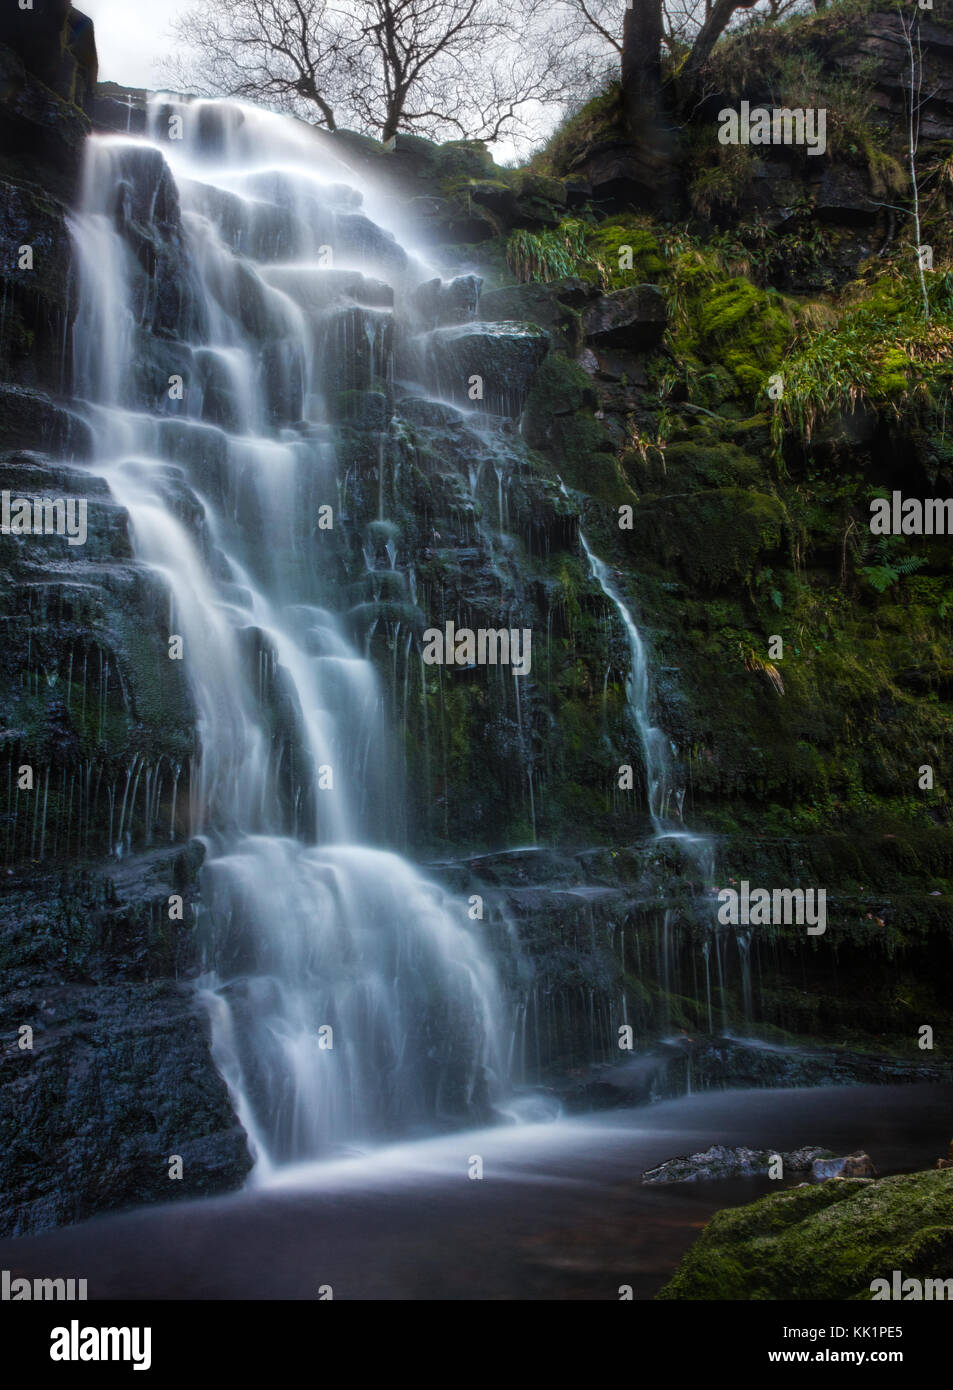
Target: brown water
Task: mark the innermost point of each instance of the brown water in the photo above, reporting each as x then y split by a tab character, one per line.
560	1212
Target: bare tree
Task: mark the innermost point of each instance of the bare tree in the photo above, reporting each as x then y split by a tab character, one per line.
911	77
290	53
472	68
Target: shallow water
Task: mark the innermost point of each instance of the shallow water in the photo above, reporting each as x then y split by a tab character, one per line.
560	1212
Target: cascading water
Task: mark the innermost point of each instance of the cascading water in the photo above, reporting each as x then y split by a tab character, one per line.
348	997
665	793
656	752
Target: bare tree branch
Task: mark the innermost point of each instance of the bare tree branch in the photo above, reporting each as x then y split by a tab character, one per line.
476	68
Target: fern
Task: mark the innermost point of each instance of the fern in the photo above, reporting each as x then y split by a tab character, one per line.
552	255
890	568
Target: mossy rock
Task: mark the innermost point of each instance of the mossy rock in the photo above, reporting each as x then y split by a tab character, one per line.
559	419
740	326
464	159
711	465
713	537
362	410
540	188
533	303
829	1241
609	242
753	434
601	119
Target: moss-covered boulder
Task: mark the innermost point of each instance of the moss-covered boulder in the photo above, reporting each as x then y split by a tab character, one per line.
715	537
824	1242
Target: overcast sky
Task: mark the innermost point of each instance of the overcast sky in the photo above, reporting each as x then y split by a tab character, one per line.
131	35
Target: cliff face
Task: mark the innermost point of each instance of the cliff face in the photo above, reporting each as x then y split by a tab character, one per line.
639	380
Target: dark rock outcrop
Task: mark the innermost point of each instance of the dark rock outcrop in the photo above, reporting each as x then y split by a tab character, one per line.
632	318
119	1078
48	71
440	302
57	45
115	1078
496	360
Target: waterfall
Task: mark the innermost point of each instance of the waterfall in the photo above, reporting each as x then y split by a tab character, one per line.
664	789
349	997
656	754
665	794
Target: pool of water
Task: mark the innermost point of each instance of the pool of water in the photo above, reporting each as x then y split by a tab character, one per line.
559	1213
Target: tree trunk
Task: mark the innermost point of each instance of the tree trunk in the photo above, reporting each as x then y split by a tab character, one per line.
305	87
709	34
643	99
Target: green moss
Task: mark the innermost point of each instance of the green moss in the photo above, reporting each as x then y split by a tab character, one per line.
706	464
608	246
538	187
742	328
728	335
723	174
612	254
712	538
559	419
362	410
828	1241
883	350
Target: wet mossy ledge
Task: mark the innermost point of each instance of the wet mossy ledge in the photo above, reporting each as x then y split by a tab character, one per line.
829	1241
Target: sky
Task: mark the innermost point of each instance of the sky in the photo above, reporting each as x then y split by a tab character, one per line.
131	35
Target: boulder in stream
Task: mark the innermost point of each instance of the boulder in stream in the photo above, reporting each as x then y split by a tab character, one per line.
720	1161
855	1165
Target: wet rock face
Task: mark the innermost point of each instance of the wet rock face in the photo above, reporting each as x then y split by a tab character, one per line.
83	698
119	1077
105	1072
35	285
147	215
499	361
551	307
439	303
